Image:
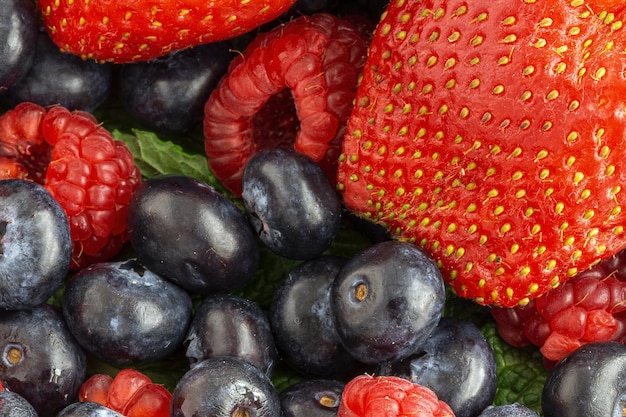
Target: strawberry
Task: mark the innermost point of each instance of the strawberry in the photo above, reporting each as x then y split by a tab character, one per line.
90	174
130	31
310	62
491	134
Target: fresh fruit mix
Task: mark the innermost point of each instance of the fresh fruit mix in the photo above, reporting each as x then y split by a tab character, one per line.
312	208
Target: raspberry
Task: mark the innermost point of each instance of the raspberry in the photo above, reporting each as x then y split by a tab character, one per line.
90	174
587	308
390	396
293	86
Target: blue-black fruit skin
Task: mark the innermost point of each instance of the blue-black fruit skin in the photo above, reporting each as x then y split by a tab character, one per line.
404	301
290	202
508	410
87	409
36	244
187	232
125	314
57	78
14	405
588	382
457	363
52	366
312	398
218	386
18	34
229	325
168	93
302	323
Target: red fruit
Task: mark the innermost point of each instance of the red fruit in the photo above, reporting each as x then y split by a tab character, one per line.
492	135
126	383
389	396
587	308
95	389
90	174
151	400
310	62
130	31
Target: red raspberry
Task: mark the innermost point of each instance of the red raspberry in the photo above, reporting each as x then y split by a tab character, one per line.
131	393
369	396
312	62
587	308
90	174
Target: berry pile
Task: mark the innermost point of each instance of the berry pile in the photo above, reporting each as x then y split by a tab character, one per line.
312	207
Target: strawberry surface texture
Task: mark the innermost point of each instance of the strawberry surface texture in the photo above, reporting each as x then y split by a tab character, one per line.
131	31
491	134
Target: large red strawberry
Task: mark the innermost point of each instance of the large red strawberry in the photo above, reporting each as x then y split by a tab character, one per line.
492	135
90	174
292	86
129	31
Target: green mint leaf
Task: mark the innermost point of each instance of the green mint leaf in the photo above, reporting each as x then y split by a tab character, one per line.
520	371
155	156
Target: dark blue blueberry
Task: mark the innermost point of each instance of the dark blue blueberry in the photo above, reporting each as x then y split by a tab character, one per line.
294	209
124	314
229	325
18	34
386	301
187	232
302	324
35	244
312	398
588	382
457	363
41	360
225	387
508	410
60	78
14	405
87	409
169	93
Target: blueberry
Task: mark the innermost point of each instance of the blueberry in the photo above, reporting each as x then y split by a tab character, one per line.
386	301
457	363
14	405
302	323
125	314
41	360
588	382
35	244
312	398
508	410
229	325
18	34
225	387
87	409
60	78
187	232
293	207
169	93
